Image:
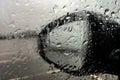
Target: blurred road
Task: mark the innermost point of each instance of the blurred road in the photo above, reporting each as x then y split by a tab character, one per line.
19	60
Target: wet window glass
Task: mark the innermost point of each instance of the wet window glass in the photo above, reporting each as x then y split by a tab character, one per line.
59	40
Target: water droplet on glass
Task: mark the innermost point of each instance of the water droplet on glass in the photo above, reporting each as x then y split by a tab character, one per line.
17	31
87	6
106	12
13	14
19	66
67	53
113	14
70	28
85	42
27	27
67	17
55	8
12	24
83	0
58	45
13	62
8	66
101	7
27	3
22	35
26	68
17	4
64	6
76	10
65	28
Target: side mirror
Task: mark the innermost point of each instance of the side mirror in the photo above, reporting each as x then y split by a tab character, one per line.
82	43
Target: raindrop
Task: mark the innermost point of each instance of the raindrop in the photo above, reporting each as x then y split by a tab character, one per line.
17	31
55	8
58	45
116	2
83	0
106	12
70	29
119	11
13	14
17	4
64	6
24	58
27	3
67	17
87	6
67	53
13	61
113	14
101	7
76	10
85	42
51	67
12	24
8	66
65	28
19	66
26	68
10	73
6	72
27	27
